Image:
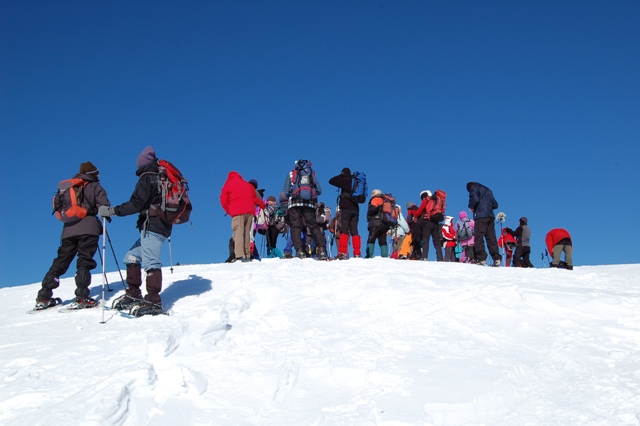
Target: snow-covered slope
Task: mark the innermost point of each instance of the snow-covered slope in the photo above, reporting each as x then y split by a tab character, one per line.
358	342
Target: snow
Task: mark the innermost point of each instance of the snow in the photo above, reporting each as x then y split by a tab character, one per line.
357	342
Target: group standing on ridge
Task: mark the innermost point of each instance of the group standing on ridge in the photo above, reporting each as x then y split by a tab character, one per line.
160	199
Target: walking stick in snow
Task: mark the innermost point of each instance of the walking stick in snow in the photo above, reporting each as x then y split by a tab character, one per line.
116	260
104	250
170	256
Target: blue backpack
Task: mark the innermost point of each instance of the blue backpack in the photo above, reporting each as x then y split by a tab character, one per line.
303	182
359	187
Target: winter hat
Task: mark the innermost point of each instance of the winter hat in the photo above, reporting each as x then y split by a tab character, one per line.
448	220
254	183
523	220
283	198
346	171
424	194
148	155
88	169
410	205
463	215
470	185
271	198
376	192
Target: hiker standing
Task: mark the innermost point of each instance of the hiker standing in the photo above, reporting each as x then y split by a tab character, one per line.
349	215
401	232
523	247
508	242
429	225
376	226
239	199
559	241
145	252
464	231
482	203
302	189
449	237
79	238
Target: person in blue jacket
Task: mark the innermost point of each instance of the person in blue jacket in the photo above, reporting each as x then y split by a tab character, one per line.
482	203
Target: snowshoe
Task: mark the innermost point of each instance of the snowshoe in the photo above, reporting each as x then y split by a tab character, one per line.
47	303
83	303
125	303
146	308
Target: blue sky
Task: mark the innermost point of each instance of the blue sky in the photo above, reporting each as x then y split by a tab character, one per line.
540	101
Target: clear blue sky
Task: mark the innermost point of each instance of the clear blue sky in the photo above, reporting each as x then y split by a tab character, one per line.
540	101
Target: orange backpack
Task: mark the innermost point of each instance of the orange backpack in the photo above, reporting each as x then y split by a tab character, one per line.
67	203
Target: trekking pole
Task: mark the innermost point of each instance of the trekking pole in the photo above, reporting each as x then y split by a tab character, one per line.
116	260
104	276
170	256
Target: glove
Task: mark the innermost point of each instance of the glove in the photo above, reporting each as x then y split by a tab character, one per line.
106	211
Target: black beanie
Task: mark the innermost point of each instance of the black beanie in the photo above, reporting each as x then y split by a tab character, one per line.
470	185
346	171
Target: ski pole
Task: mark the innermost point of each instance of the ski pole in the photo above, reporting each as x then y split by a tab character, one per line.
104	276
170	256
116	260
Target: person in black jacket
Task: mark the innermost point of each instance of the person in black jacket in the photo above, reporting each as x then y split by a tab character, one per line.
376	226
482	203
349	215
145	252
78	238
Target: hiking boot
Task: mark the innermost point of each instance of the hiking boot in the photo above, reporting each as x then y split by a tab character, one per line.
83	303
46	303
357	256
301	254
246	259
125	303
482	263
147	308
497	262
322	253
287	255
342	256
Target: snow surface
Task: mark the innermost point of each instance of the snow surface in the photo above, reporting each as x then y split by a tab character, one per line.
357	342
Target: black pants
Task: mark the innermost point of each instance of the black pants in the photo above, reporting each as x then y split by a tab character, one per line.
85	247
299	217
349	222
431	229
485	230
522	257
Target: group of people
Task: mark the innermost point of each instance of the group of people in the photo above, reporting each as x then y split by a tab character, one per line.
296	214
306	224
80	238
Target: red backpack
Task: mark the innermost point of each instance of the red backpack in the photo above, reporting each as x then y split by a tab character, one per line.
438	207
67	203
175	208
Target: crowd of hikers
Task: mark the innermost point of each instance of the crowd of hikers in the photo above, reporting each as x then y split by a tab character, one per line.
309	229
160	199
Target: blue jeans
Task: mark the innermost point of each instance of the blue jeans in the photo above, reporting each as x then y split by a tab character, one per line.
146	251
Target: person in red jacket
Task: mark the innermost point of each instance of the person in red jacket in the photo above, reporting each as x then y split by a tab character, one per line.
508	243
559	240
239	200
449	237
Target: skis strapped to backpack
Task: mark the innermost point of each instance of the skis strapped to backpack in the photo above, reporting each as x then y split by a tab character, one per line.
67	203
175	207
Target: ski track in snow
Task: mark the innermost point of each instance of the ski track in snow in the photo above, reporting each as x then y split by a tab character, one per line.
367	342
